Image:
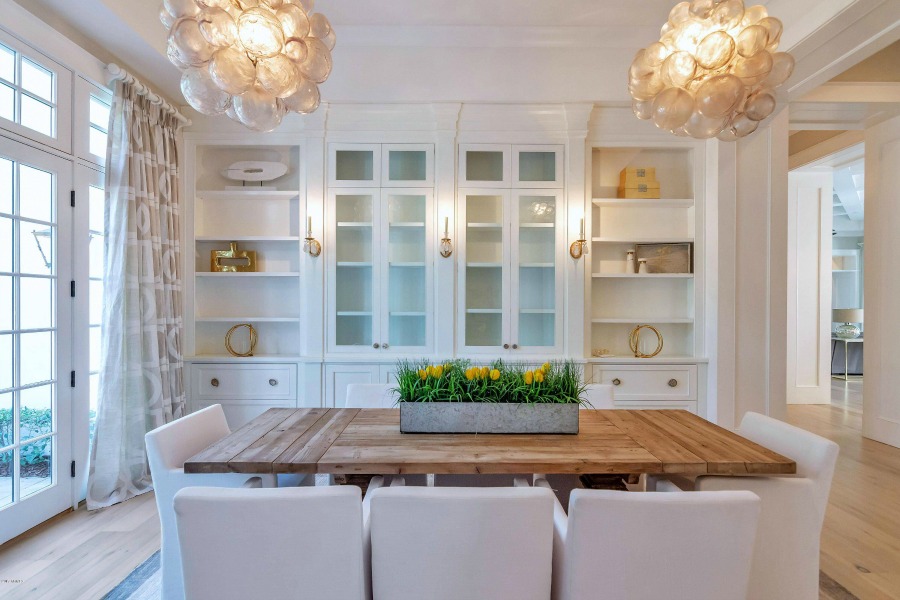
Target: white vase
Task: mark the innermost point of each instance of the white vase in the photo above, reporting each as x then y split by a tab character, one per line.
629	262
643	266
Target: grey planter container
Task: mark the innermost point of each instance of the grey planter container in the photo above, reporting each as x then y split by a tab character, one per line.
478	417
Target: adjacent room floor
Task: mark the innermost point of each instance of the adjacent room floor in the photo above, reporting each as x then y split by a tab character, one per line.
83	555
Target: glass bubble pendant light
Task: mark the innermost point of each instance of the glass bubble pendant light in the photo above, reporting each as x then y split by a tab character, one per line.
713	72
252	60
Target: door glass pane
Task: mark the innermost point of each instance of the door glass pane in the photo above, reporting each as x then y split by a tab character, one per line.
35	248
6	322
354	270
6	475
35	416
6	361
484	166
7	102
34	466
537	270
355	165
6	184
537	166
484	270
7	64
94	337
96	205
406	285
37	80
97	142
99	113
93	387
6	249
95	295
407	165
36	194
38	347
36	310
36	115
95	256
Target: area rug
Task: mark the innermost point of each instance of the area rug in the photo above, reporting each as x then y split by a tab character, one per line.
144	584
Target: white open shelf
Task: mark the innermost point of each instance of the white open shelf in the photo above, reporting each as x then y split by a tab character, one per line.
248	193
645	202
239	275
484	225
643	275
247	238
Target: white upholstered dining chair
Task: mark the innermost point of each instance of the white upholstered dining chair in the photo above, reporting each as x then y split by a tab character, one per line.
369	395
460	543
786	560
633	546
168	447
277	544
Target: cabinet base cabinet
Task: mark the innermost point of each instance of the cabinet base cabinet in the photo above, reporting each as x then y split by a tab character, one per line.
648	383
245	391
339	376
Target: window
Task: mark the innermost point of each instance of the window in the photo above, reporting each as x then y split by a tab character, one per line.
99	124
27	92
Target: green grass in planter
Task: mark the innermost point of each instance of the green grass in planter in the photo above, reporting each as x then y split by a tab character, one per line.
496	382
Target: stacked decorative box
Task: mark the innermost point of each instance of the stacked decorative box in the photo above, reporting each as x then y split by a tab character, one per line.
638	182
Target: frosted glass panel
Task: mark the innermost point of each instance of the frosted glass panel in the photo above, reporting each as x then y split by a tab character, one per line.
407	165
537	270
356	208
484	329
484	165
407	281
354	165
537	166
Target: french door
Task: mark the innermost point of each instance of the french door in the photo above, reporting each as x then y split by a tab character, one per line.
35	337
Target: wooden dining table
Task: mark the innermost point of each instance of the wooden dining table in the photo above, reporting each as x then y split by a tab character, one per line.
365	441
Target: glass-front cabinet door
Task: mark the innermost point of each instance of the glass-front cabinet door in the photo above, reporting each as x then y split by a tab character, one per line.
354	165
485	254
537	166
537	279
407	165
485	165
352	289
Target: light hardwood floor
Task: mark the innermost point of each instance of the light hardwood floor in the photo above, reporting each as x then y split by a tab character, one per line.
83	555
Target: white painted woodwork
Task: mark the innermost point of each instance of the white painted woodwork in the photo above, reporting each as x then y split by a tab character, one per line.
809	287
881	403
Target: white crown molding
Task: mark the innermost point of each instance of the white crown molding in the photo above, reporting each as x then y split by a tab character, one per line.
868	92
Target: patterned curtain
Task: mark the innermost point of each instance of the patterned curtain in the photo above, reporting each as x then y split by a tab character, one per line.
141	384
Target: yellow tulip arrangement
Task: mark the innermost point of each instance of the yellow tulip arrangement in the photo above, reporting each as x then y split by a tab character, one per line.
461	381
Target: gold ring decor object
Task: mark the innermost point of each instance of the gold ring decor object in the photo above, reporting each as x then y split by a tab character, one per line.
635	339
253	339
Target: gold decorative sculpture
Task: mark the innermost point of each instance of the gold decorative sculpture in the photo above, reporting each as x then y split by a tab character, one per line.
634	341
253	340
232	260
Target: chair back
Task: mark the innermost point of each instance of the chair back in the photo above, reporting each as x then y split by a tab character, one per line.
815	456
369	395
460	543
274	543
173	443
627	545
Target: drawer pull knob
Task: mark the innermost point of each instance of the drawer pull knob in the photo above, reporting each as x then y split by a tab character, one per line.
385	346
617	381
506	346
673	383
273	382
214	382
515	346
376	345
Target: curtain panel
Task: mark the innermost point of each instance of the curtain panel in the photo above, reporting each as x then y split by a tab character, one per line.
141	384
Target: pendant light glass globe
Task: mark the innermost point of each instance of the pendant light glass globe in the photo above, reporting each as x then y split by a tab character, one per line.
713	72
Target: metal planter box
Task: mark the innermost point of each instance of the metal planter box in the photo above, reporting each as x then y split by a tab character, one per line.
477	417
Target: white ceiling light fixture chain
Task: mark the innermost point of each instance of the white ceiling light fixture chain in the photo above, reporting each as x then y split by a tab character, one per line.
713	72
253	60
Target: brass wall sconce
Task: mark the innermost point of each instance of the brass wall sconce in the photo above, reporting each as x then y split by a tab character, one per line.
446	246
311	245
579	247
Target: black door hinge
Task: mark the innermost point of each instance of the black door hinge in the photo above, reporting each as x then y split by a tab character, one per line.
72	198
73	468
72	379
72	288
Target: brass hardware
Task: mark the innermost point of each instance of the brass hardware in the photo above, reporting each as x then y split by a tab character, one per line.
273	382
673	383
232	260
578	248
515	346
385	346
617	381
446	247
506	346
214	382
312	247
376	345
253	340
635	338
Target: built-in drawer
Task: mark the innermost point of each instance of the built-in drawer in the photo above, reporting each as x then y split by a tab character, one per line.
258	381
648	382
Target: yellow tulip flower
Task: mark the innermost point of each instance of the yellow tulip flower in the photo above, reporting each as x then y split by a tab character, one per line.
485	372
538	376
546	367
422	374
470	373
495	375
438	371
429	370
529	377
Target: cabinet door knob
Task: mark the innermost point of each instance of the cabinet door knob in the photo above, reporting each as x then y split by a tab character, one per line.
214	382
385	346
273	382
376	345
673	383
506	346
617	381
515	346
